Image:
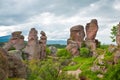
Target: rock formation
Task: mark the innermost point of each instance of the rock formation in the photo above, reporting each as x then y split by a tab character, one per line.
33	49
11	66
76	38
53	50
77	34
91	31
118	35
16	41
42	42
3	65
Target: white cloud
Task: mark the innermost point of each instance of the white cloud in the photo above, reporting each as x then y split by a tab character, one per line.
116	5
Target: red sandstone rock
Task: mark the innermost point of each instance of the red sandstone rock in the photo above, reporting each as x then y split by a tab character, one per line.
42	42
118	35
16	41
33	48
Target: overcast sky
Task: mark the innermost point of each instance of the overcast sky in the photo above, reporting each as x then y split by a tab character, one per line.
56	17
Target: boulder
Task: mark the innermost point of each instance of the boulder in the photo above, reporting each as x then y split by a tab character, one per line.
16	67
3	65
53	50
77	34
16	41
76	39
73	48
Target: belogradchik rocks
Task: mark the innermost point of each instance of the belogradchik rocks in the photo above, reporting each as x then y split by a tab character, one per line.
16	41
32	49
118	35
3	65
11	66
91	31
42	43
76	39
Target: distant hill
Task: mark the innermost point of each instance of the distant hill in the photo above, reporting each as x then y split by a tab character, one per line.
62	42
5	38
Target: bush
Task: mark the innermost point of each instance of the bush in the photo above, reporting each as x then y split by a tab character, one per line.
84	52
113	72
48	51
63	53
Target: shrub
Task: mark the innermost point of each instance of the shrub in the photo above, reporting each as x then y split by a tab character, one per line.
84	52
113	72
48	51
63	53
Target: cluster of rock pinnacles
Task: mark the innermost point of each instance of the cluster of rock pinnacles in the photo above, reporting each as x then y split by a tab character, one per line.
77	36
35	49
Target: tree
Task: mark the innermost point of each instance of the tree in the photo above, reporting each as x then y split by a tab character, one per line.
113	33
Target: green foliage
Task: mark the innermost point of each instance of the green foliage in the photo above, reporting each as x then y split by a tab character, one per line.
64	76
57	45
113	72
85	63
48	51
84	52
113	33
42	70
104	46
89	75
63	53
73	67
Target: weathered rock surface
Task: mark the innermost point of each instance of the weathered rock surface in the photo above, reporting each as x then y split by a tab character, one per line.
16	41
42	42
3	65
33	48
53	50
76	39
118	35
77	34
91	31
73	47
16	67
11	65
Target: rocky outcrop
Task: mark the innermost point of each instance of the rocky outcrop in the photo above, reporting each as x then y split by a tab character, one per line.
3	65
73	47
91	31
77	34
76	39
53	50
42	43
118	35
16	41
33	49
11	66
16	67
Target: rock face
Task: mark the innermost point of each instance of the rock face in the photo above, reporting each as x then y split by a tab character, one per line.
53	50
118	35
77	34
76	38
33	48
91	31
73	47
3	65
42	42
16	41
16	67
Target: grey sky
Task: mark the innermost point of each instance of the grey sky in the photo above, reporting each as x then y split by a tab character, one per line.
56	17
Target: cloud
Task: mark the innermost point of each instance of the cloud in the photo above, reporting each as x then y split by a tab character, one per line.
56	17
